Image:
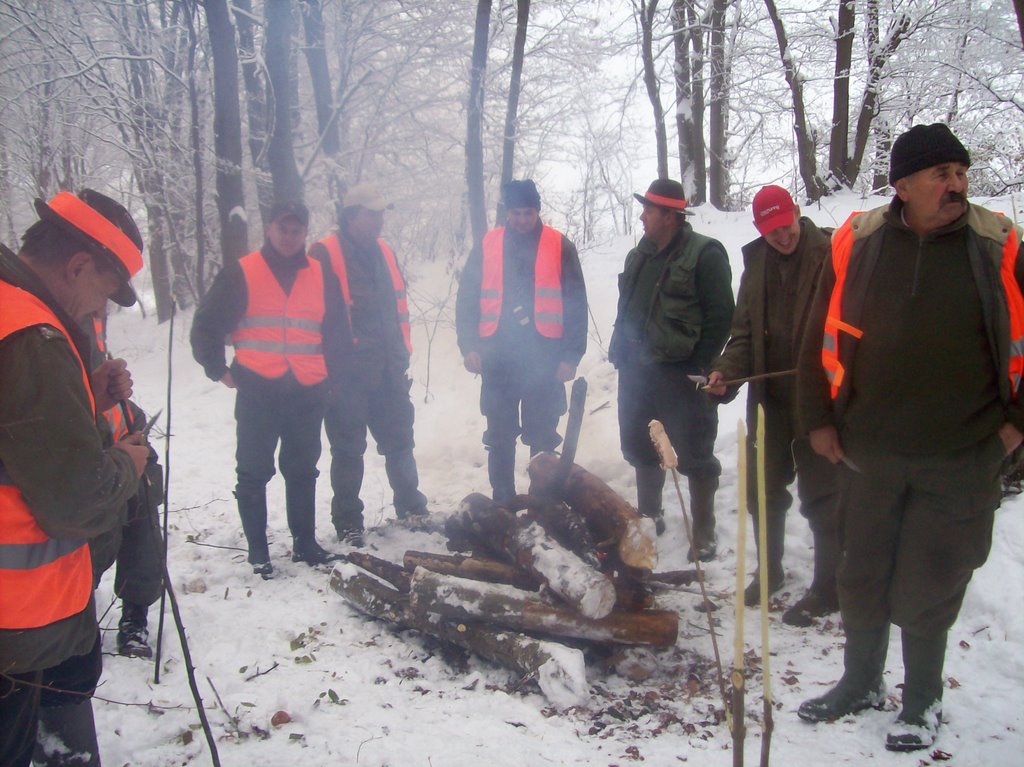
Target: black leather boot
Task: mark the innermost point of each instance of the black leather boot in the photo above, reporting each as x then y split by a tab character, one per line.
861	685
918	723
132	631
650	482
821	598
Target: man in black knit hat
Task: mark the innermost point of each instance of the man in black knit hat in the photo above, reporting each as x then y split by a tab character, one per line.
521	320
909	380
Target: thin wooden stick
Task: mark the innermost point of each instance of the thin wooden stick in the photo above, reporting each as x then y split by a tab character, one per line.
738	724
768	723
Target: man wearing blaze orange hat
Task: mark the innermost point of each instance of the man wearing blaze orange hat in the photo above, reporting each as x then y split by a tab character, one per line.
58	486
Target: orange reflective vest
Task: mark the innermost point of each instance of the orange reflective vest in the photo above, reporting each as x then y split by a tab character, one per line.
842	248
42	579
114	416
547	283
333	245
281	332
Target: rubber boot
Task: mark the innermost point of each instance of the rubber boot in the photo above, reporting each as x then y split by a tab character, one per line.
405	482
67	736
650	482
776	540
132	631
501	470
346	482
702	510
918	723
821	598
861	685
252	509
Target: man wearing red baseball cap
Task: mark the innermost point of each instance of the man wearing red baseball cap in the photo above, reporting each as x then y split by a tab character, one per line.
780	275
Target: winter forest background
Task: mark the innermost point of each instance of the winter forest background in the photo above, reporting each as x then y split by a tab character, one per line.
200	113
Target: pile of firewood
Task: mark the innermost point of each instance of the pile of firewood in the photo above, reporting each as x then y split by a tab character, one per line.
571	560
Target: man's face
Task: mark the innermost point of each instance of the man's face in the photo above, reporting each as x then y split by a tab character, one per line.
659	223
785	239
88	281
934	197
522	220
365	226
287	235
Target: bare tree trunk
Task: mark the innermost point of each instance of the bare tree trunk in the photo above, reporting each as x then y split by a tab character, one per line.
227	135
718	174
280	153
880	55
475	124
197	159
698	195
838	147
646	10
326	115
1018	6
512	113
256	101
806	158
681	35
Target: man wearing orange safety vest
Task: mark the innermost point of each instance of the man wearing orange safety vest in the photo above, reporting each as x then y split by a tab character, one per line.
288	327
59	486
909	381
521	320
372	391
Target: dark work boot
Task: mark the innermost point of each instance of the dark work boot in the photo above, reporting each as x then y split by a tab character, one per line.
702	510
346	482
501	470
252	508
650	482
405	482
300	506
67	736
132	632
776	542
861	685
821	598
312	553
918	723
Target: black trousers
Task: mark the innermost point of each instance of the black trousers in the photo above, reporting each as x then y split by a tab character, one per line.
21	696
292	415
690	418
139	575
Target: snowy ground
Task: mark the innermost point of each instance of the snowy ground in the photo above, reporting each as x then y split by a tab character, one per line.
360	693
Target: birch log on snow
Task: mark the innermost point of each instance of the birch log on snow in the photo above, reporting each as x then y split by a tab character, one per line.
475	602
611	519
478	568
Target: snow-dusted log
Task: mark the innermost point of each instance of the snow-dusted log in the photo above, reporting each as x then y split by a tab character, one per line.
612	520
559	670
489	603
579	584
382	568
477	568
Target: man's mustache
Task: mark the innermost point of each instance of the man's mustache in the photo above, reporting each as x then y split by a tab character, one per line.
954	197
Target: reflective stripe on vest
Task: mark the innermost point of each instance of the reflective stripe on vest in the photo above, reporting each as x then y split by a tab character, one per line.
42	579
547	283
842	247
281	332
332	243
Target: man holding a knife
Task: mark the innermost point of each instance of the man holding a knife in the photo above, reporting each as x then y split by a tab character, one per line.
780	274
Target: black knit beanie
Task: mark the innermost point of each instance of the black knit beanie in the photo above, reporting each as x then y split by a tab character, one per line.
521	194
922	147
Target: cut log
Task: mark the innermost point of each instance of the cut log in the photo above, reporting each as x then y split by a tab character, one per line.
559	670
477	568
565	573
488	603
611	519
382	568
482	526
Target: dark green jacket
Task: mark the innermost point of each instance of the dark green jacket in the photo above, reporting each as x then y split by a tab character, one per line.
52	449
689	311
746	353
876	234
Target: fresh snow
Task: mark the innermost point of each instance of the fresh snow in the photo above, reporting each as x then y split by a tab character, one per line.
358	692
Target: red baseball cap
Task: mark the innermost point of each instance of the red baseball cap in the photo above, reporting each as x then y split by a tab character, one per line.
773	207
